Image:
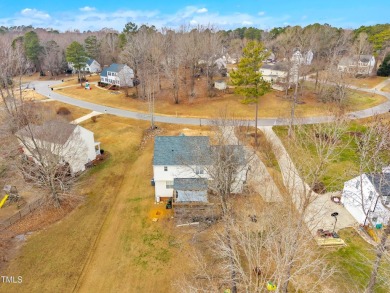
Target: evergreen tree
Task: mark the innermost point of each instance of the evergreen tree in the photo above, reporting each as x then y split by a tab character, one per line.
92	47
248	79
384	68
32	48
76	55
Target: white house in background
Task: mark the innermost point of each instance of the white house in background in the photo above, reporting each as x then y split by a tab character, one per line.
278	74
72	143
220	85
367	197
118	74
91	66
180	167
362	64
304	59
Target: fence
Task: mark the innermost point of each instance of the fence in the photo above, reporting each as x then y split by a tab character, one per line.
27	209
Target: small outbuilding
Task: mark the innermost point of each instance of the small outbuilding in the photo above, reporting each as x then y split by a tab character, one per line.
220	85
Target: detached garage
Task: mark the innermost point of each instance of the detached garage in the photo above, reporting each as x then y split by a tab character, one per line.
190	189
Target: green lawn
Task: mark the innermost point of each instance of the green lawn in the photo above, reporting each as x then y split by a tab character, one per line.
344	164
354	264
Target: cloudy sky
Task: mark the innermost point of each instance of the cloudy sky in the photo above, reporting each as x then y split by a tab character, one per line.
225	14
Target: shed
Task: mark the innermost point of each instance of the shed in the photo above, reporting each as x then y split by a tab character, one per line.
220	84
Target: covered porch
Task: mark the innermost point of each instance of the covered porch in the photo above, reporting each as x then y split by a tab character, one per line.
190	189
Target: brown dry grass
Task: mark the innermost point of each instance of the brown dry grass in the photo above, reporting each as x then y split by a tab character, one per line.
366	82
271	105
386	88
109	243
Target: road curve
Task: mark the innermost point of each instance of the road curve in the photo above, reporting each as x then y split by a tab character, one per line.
44	88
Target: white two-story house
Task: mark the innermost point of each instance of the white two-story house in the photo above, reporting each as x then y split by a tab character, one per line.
181	167
362	64
367	198
118	74
91	66
67	143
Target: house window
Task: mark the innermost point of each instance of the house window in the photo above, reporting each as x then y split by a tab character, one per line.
169	185
165	168
370	196
374	219
357	184
199	170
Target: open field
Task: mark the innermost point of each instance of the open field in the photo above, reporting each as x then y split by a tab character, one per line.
109	243
272	104
344	165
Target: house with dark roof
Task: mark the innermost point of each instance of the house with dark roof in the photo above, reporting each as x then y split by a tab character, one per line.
358	64
118	74
67	143
181	167
367	198
91	66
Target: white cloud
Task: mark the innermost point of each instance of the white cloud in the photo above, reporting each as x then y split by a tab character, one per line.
87	8
193	22
261	13
34	13
304	17
202	10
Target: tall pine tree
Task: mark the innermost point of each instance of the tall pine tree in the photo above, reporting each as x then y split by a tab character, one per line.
248	79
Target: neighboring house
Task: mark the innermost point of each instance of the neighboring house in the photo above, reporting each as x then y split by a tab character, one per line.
362	64
118	74
180	168
304	59
91	66
73	144
220	85
282	74
363	195
278	74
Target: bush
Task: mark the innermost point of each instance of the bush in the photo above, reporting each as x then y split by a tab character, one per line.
63	111
94	119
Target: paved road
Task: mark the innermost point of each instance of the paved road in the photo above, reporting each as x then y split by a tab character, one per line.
43	88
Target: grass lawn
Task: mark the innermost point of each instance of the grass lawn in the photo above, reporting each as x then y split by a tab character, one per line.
353	263
343	167
109	243
367	82
271	105
386	88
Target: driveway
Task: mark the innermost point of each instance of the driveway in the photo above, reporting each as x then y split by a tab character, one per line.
318	213
44	88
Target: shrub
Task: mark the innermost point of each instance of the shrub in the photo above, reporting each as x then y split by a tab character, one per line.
94	119
63	111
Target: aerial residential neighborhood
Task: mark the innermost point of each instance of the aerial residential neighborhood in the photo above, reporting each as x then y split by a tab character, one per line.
205	147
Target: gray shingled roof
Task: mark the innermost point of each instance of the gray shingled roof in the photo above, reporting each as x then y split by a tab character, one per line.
381	182
89	61
181	150
280	66
114	67
348	60
51	131
188	184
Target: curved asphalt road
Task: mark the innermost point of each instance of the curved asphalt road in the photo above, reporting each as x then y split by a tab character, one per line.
43	88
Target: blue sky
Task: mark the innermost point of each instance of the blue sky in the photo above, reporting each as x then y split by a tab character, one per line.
225	14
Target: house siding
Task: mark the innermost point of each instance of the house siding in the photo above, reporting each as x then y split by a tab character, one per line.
363	204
